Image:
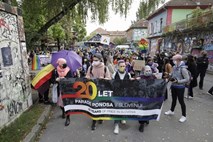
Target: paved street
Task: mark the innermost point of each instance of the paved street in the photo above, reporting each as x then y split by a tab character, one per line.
197	128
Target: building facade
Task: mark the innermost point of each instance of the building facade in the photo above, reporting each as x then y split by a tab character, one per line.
15	96
170	13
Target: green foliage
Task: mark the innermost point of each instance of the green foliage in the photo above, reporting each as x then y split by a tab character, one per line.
56	31
40	15
119	41
146	7
16	131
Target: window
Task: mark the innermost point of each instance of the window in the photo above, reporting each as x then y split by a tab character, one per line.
156	27
161	25
152	29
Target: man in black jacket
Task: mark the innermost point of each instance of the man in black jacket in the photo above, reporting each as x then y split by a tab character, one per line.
202	65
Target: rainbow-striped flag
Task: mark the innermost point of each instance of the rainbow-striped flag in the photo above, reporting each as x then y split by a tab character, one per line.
36	63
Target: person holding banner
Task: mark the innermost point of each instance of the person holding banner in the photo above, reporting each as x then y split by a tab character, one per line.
178	78
147	75
62	71
97	71
120	74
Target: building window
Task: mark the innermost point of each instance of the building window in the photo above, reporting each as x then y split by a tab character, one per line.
152	29
161	25
156	27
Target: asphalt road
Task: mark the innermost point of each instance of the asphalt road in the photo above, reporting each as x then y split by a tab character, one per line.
197	128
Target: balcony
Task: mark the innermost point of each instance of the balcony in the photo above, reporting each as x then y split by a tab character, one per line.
201	21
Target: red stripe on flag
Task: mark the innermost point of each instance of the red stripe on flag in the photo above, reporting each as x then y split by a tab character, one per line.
43	80
65	96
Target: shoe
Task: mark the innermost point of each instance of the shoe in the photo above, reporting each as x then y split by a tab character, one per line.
190	97
93	127
147	122
41	101
100	121
186	96
123	121
116	130
169	113
47	103
67	122
182	119
63	115
141	128
200	88
209	93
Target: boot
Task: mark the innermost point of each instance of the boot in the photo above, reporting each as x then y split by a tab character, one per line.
141	128
67	122
93	127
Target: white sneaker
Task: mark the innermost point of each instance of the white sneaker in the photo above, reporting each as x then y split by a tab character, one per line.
182	119
116	130
169	113
190	97
123	121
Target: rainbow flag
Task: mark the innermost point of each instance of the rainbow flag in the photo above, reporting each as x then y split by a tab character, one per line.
36	63
43	76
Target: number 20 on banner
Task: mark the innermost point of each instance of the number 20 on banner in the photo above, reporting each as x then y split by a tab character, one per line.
84	91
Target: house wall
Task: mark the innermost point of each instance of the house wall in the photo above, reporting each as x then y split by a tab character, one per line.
15	96
139	33
129	35
155	28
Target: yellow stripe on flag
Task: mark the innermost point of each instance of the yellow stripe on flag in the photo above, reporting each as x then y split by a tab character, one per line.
41	74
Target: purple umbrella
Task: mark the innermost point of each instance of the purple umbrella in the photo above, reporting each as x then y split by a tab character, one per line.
74	61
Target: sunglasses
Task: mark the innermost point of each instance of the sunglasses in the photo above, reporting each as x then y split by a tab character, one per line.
95	60
122	66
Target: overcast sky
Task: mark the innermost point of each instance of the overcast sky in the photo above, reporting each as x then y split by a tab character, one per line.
116	22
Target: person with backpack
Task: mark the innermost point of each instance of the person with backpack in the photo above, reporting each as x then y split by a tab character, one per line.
202	65
120	74
192	67
179	78
97	71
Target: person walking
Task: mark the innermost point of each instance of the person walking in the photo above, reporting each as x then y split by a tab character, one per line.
120	74
62	71
202	65
97	71
147	75
178	78
167	70
192	67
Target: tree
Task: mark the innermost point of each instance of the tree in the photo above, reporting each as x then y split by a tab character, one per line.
119	41
146	7
54	10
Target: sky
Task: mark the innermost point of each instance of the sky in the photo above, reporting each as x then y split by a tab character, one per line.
115	22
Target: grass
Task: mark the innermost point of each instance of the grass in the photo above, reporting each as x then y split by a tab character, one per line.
17	130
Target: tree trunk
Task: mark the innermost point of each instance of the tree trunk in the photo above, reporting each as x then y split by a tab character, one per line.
57	18
58	44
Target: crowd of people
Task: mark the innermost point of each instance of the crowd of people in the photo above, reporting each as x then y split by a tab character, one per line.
107	63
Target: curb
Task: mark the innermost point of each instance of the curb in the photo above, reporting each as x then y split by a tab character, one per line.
37	128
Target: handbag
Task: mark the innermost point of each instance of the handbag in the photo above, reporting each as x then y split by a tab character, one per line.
55	93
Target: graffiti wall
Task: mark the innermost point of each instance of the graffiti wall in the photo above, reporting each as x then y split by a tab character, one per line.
15	96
